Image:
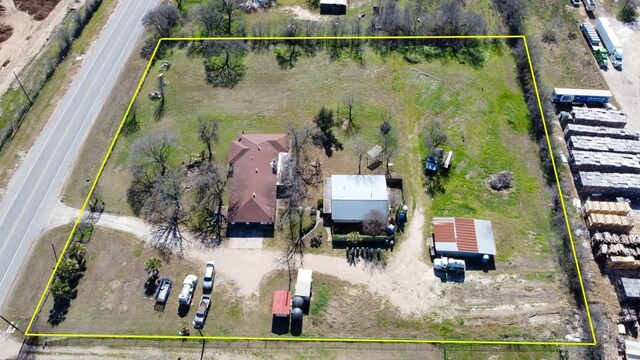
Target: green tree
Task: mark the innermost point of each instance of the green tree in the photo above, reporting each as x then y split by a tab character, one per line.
68	269
60	289
153	266
78	252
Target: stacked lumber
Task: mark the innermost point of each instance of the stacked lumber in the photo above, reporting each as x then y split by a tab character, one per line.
606	207
609	222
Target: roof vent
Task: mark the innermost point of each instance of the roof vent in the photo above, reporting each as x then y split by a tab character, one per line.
258	147
254	195
256	170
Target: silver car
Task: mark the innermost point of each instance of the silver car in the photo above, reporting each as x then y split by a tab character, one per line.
209	276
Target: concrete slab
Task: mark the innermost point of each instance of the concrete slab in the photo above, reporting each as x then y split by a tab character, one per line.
245	243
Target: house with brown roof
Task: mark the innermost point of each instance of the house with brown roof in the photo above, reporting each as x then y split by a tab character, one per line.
459	237
254	165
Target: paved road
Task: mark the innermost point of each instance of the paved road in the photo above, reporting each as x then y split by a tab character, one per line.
34	189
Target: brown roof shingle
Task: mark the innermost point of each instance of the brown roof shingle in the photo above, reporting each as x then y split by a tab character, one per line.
253	192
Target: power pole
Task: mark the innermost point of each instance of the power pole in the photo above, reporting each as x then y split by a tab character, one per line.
54	253
11	324
23	89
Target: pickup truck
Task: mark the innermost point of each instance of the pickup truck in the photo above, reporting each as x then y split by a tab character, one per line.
201	314
188	285
162	293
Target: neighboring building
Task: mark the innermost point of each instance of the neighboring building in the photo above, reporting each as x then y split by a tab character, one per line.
457	237
348	198
333	7
254	165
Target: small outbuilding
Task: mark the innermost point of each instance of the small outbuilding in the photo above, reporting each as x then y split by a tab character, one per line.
333	7
280	310
463	238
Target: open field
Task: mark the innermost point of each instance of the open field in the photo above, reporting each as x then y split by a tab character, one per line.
479	107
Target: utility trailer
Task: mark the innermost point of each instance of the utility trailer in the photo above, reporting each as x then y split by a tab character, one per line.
610	41
599	51
201	314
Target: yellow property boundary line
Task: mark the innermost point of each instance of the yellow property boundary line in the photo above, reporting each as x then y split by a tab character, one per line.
250	338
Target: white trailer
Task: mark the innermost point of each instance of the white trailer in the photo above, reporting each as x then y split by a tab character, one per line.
610	41
303	284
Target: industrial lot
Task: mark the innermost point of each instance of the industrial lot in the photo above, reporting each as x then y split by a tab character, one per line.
303	188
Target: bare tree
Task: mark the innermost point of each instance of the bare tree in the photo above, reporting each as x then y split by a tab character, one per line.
389	140
349	102
434	134
151	154
209	185
166	214
208	133
209	17
358	147
301	178
225	67
374	222
163	19
287	56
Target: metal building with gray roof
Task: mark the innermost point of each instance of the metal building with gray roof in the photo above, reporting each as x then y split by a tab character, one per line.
348	198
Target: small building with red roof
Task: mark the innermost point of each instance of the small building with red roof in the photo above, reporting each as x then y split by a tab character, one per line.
459	237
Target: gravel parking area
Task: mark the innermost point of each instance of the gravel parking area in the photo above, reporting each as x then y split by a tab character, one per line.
625	83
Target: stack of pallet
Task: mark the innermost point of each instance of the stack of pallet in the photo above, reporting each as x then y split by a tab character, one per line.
606	207
599	131
608	183
608	222
589	143
604	162
598	117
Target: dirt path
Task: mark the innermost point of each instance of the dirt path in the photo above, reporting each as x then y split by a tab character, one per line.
407	282
29	36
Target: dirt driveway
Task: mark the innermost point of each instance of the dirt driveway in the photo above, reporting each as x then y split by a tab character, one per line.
625	84
407	281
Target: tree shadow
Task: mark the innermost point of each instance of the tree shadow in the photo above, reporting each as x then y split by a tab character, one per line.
151	285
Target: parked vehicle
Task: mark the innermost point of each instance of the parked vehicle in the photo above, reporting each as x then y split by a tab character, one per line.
610	41
581	96
162	293
448	264
589	5
599	51
209	276
201	314
186	294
